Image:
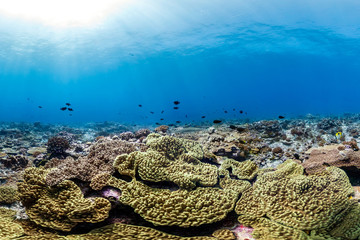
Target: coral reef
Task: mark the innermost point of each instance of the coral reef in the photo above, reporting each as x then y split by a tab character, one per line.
337	155
8	194
285	203
162	129
57	145
60	207
99	161
181	208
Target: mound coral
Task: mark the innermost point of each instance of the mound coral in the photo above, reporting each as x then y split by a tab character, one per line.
181	208
60	207
57	145
285	203
99	161
169	159
7	194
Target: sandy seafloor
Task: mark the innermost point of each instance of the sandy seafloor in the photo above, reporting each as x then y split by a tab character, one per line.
312	142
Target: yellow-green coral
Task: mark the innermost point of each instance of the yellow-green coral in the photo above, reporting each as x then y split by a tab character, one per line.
246	170
289	199
181	208
173	147
8	228
349	226
7	194
59	207
130	232
169	159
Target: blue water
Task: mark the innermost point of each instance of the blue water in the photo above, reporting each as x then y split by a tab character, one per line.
268	59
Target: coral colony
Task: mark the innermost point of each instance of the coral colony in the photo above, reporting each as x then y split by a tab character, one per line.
249	181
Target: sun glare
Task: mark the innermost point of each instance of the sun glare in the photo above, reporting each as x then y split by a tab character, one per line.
60	13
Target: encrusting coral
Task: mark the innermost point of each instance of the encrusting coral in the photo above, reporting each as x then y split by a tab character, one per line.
182	207
285	203
7	194
8	228
169	159
60	207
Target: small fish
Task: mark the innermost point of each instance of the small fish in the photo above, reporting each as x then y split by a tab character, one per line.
232	126
233	109
225	111
203	116
161	119
186	115
39	106
217	121
176	102
70	114
171	125
178	121
152	112
162	111
67	104
241	111
140	105
338	135
63	108
70	109
176	108
281	117
157	123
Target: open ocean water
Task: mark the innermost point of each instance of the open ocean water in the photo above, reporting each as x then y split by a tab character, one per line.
155	119
265	58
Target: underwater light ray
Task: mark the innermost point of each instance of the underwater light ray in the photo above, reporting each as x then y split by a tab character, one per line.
60	13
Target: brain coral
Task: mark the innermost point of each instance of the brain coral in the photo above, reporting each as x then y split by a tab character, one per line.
285	201
8	228
182	208
169	159
59	207
7	194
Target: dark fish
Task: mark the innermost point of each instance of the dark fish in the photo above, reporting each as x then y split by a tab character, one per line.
161	119
171	125
176	102
233	109
281	117
178	121
176	108
225	111
70	114
186	115
162	111
140	105
39	106
241	111
67	104
152	112
63	108
157	123
202	116
232	126
217	121
70	109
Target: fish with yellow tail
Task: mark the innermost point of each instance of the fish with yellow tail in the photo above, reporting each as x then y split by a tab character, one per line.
339	135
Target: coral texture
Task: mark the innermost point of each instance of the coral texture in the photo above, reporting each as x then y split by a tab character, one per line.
57	145
182	208
342	156
285	201
169	159
8	194
99	161
60	207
